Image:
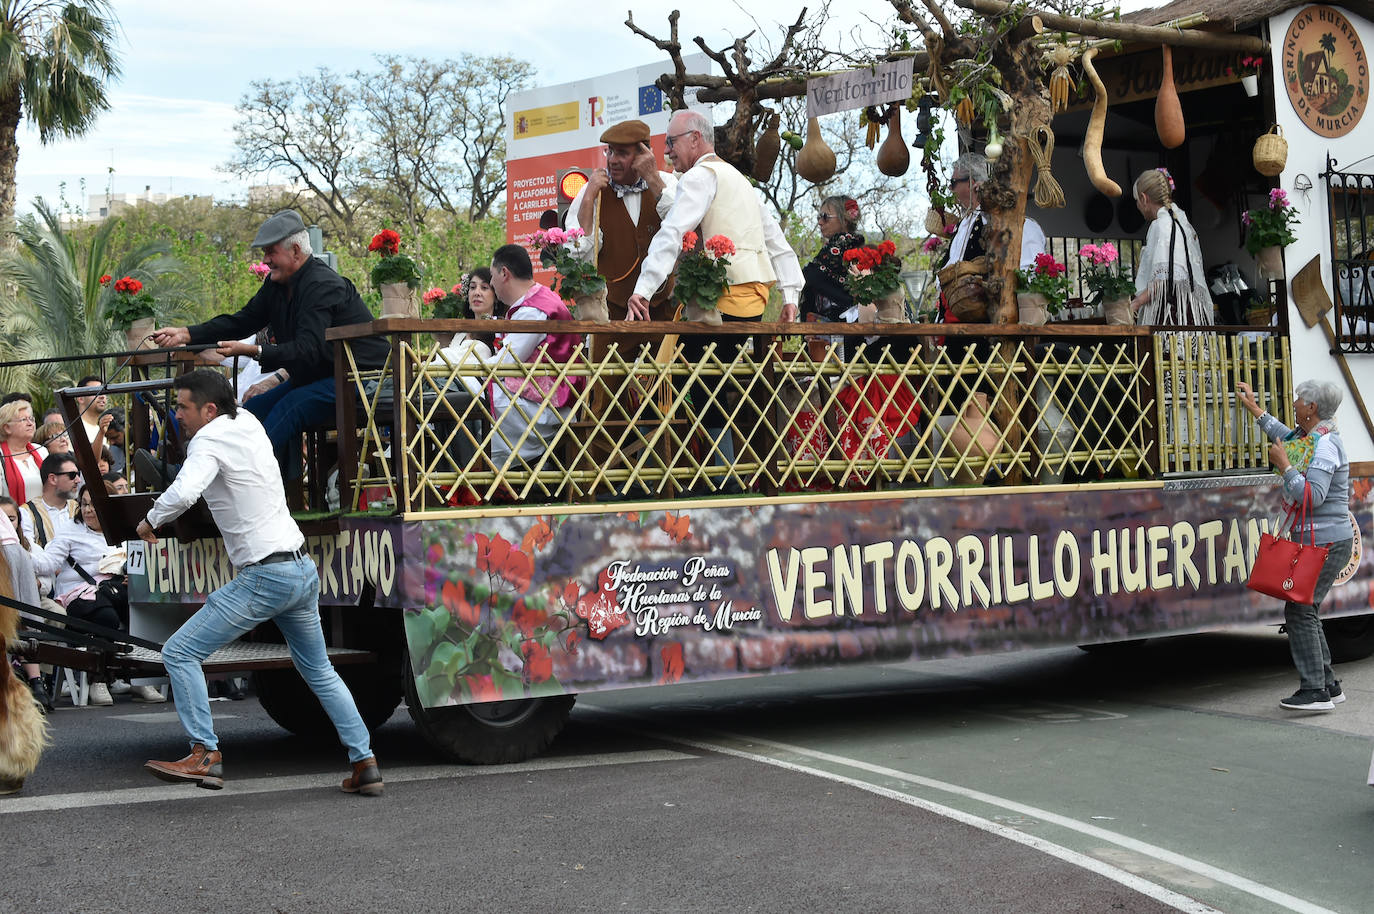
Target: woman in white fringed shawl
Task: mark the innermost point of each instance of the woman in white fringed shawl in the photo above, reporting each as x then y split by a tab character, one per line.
1171	278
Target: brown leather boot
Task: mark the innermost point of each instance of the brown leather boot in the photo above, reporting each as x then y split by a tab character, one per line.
365	779
203	767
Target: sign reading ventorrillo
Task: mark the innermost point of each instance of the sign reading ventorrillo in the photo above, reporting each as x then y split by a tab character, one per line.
876	85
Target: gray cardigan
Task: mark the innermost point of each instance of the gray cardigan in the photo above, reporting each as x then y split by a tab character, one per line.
1329	476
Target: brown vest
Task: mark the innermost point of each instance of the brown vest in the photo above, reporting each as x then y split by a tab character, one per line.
623	246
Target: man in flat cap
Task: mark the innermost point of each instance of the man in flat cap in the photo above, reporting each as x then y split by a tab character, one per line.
298	301
619	209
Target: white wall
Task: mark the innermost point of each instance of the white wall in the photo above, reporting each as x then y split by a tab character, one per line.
1307	154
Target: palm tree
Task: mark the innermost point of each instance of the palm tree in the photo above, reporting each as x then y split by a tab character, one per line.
55	58
52	303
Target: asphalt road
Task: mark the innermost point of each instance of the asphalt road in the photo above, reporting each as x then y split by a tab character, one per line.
1164	778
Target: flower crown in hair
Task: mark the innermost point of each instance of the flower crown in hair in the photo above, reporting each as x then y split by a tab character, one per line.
851	209
1167	177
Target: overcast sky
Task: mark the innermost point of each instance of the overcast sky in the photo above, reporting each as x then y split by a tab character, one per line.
185	66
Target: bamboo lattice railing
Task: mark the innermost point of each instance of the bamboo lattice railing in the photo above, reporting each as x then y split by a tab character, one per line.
1068	404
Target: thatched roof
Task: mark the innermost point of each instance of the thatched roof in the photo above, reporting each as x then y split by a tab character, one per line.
1234	15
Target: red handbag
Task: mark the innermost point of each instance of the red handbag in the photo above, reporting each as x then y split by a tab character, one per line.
1288	569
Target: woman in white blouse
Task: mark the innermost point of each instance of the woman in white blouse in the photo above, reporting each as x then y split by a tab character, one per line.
1171	278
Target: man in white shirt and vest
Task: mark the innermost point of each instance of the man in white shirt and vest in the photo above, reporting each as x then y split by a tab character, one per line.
713	195
229	460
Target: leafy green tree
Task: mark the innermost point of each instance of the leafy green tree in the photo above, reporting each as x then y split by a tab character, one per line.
55	58
53	303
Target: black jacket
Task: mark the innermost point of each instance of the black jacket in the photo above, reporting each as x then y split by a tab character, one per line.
299	311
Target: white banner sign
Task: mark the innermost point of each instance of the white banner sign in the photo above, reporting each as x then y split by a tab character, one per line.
876	85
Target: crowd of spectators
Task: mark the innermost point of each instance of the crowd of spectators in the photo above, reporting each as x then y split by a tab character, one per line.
46	507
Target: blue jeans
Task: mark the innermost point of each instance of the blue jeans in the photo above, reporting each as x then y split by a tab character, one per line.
286	593
286	410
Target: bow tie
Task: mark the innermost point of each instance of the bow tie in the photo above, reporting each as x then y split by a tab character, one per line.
636	188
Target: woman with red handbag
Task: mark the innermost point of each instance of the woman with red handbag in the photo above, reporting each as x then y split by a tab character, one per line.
1311	459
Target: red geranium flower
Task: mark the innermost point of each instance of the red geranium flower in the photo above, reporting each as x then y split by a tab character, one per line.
105	280
720	246
689	241
128	284
887	247
386	241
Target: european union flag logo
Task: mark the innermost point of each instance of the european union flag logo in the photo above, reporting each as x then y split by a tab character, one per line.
650	99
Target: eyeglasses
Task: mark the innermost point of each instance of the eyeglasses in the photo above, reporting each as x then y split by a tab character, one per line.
957	181
28	419
823	218
87	506
70	474
672	138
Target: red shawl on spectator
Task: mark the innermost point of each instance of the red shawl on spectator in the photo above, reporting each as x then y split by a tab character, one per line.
14	480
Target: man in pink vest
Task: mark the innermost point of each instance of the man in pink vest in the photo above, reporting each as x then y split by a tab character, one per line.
522	426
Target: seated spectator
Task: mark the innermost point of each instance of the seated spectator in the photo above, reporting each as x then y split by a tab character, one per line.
24	583
87	585
118	484
53	436
21	457
529	412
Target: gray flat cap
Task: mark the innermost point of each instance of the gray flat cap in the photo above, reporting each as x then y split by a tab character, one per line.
282	225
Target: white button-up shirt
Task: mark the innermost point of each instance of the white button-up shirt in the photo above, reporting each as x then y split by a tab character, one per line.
683	210
230	462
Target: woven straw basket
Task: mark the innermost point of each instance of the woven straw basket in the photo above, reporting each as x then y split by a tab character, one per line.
967	297
1271	152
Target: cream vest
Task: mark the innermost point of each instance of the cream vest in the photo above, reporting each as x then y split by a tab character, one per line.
735	214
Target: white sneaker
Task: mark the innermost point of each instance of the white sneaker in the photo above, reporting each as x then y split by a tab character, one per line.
119	687
147	694
99	695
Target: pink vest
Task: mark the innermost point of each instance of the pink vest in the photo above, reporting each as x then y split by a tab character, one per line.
556	349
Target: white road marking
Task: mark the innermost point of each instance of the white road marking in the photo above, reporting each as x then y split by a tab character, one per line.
1249	886
1143	886
1158	892
158	794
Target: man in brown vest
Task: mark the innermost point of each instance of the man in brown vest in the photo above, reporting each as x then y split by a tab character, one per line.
619	211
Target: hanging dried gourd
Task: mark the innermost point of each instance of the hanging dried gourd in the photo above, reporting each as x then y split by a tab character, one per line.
894	158
766	149
816	161
1060	56
1097	127
1168	110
